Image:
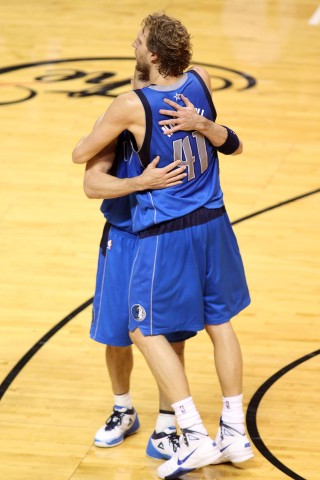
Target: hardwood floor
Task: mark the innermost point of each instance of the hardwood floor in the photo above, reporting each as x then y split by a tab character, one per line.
56	60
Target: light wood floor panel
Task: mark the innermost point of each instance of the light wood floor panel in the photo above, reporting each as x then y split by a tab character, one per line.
50	232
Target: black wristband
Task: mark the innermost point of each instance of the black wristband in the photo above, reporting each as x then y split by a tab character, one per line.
231	144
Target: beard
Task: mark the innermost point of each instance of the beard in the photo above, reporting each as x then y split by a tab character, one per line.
143	67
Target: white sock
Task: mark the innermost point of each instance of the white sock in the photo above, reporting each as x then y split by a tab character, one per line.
188	416
232	412
123	400
165	420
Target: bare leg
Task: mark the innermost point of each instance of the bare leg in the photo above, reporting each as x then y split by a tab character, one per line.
120	363
169	373
164	441
124	420
227	357
165	365
164	404
178	347
231	438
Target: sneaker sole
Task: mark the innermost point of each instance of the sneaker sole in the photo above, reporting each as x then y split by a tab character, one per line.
236	460
108	445
209	459
243	460
135	427
98	443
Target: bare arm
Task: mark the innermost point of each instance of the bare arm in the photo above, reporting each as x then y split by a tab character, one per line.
122	114
98	183
187	118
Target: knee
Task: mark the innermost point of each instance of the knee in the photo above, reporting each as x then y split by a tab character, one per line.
221	331
137	337
113	352
214	331
178	347
113	348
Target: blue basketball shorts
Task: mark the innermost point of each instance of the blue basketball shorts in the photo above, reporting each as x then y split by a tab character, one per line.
110	311
187	273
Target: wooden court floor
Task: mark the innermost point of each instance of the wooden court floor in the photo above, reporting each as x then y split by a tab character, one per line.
61	64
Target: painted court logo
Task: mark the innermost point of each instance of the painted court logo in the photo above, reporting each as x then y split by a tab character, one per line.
138	312
78	78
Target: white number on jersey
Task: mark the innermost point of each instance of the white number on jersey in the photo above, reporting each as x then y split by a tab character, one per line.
183	146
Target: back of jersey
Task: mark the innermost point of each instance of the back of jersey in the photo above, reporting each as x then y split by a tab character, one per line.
201	187
117	211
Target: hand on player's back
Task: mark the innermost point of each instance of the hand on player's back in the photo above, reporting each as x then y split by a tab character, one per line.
154	178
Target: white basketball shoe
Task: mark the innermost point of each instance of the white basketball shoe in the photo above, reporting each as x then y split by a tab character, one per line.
196	450
163	445
121	423
235	447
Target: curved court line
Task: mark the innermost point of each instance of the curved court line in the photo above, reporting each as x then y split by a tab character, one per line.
254	403
5	384
36	347
251	417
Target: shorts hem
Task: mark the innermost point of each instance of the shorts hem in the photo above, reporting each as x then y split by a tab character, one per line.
110	343
149	334
226	319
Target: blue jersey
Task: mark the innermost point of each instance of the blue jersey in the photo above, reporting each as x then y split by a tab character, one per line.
201	187
117	211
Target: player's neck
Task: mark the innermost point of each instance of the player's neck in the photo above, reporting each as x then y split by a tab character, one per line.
157	79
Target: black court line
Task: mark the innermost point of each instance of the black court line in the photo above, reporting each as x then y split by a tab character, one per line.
253	405
36	347
251	417
276	205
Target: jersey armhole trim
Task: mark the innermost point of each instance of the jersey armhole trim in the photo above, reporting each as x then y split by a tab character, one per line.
144	152
207	93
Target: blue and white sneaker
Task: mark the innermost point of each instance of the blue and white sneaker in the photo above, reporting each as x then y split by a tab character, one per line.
196	450
234	446
121	423
163	445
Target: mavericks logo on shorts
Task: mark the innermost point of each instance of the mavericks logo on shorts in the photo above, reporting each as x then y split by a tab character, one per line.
138	312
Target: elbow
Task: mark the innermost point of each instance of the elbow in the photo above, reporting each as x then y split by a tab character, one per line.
90	194
89	191
76	158
239	149
79	155
89	186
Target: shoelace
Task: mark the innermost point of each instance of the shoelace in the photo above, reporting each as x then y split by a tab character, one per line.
185	439
174	440
114	420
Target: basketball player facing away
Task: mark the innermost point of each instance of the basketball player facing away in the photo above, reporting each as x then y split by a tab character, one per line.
109	324
188	271
110	307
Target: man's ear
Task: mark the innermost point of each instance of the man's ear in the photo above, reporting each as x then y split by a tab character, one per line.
154	58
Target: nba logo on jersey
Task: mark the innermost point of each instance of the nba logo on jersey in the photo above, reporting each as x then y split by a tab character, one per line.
138	312
109	244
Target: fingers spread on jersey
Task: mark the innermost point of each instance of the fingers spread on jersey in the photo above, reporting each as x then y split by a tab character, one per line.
170	113
172	103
